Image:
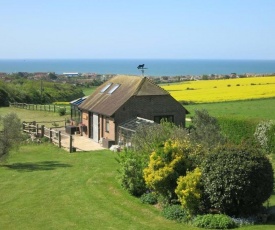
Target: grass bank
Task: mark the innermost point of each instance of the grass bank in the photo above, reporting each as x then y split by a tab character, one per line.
43	187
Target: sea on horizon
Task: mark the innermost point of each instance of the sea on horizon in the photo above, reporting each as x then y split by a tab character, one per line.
153	67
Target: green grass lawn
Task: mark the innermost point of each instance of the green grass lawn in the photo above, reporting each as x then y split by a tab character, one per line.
44	187
34	115
256	109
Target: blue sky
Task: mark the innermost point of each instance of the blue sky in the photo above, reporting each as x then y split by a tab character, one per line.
174	29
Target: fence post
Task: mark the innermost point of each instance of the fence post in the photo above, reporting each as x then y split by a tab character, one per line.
23	124
71	144
59	139
51	135
42	130
37	130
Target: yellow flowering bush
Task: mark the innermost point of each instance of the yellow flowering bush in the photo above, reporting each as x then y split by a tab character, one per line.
166	164
189	192
223	90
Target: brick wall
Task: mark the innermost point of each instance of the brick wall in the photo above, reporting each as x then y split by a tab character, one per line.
150	106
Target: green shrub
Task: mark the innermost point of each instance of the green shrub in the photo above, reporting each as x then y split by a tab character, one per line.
237	181
206	130
10	133
45	139
214	221
237	130
133	161
131	172
265	135
149	198
62	111
174	212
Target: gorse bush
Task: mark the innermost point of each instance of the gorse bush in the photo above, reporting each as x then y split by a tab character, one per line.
214	221
189	191
165	166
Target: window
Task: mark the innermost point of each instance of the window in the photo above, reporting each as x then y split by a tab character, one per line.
113	88
169	118
107	124
105	88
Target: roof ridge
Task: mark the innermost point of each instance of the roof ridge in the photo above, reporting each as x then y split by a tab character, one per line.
140	85
157	85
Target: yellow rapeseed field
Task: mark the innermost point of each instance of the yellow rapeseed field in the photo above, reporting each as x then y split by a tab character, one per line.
223	90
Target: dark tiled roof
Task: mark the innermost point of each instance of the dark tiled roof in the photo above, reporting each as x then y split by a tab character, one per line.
108	103
78	101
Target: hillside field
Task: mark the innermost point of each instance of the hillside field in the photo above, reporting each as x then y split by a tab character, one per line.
258	109
205	91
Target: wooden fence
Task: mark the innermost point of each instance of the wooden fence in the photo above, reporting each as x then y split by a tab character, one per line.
54	134
49	107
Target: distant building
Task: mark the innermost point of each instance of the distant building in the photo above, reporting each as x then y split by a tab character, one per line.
71	74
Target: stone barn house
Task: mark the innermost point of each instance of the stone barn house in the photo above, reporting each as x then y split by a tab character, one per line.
122	99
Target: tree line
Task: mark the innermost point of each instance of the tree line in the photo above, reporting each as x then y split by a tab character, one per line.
37	92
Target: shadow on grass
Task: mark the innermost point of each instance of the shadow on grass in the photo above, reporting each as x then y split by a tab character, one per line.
37	166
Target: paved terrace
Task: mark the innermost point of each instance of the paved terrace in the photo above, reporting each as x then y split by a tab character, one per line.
81	143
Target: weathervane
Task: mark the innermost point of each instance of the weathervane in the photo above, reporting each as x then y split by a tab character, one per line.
142	68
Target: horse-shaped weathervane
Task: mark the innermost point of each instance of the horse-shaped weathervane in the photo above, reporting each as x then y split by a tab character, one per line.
142	68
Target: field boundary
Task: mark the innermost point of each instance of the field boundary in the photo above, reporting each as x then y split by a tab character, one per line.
55	135
49	107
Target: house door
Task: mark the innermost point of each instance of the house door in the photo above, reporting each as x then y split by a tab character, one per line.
90	125
95	127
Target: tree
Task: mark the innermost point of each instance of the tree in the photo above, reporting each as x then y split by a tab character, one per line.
237	181
4	98
205	130
10	135
52	76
